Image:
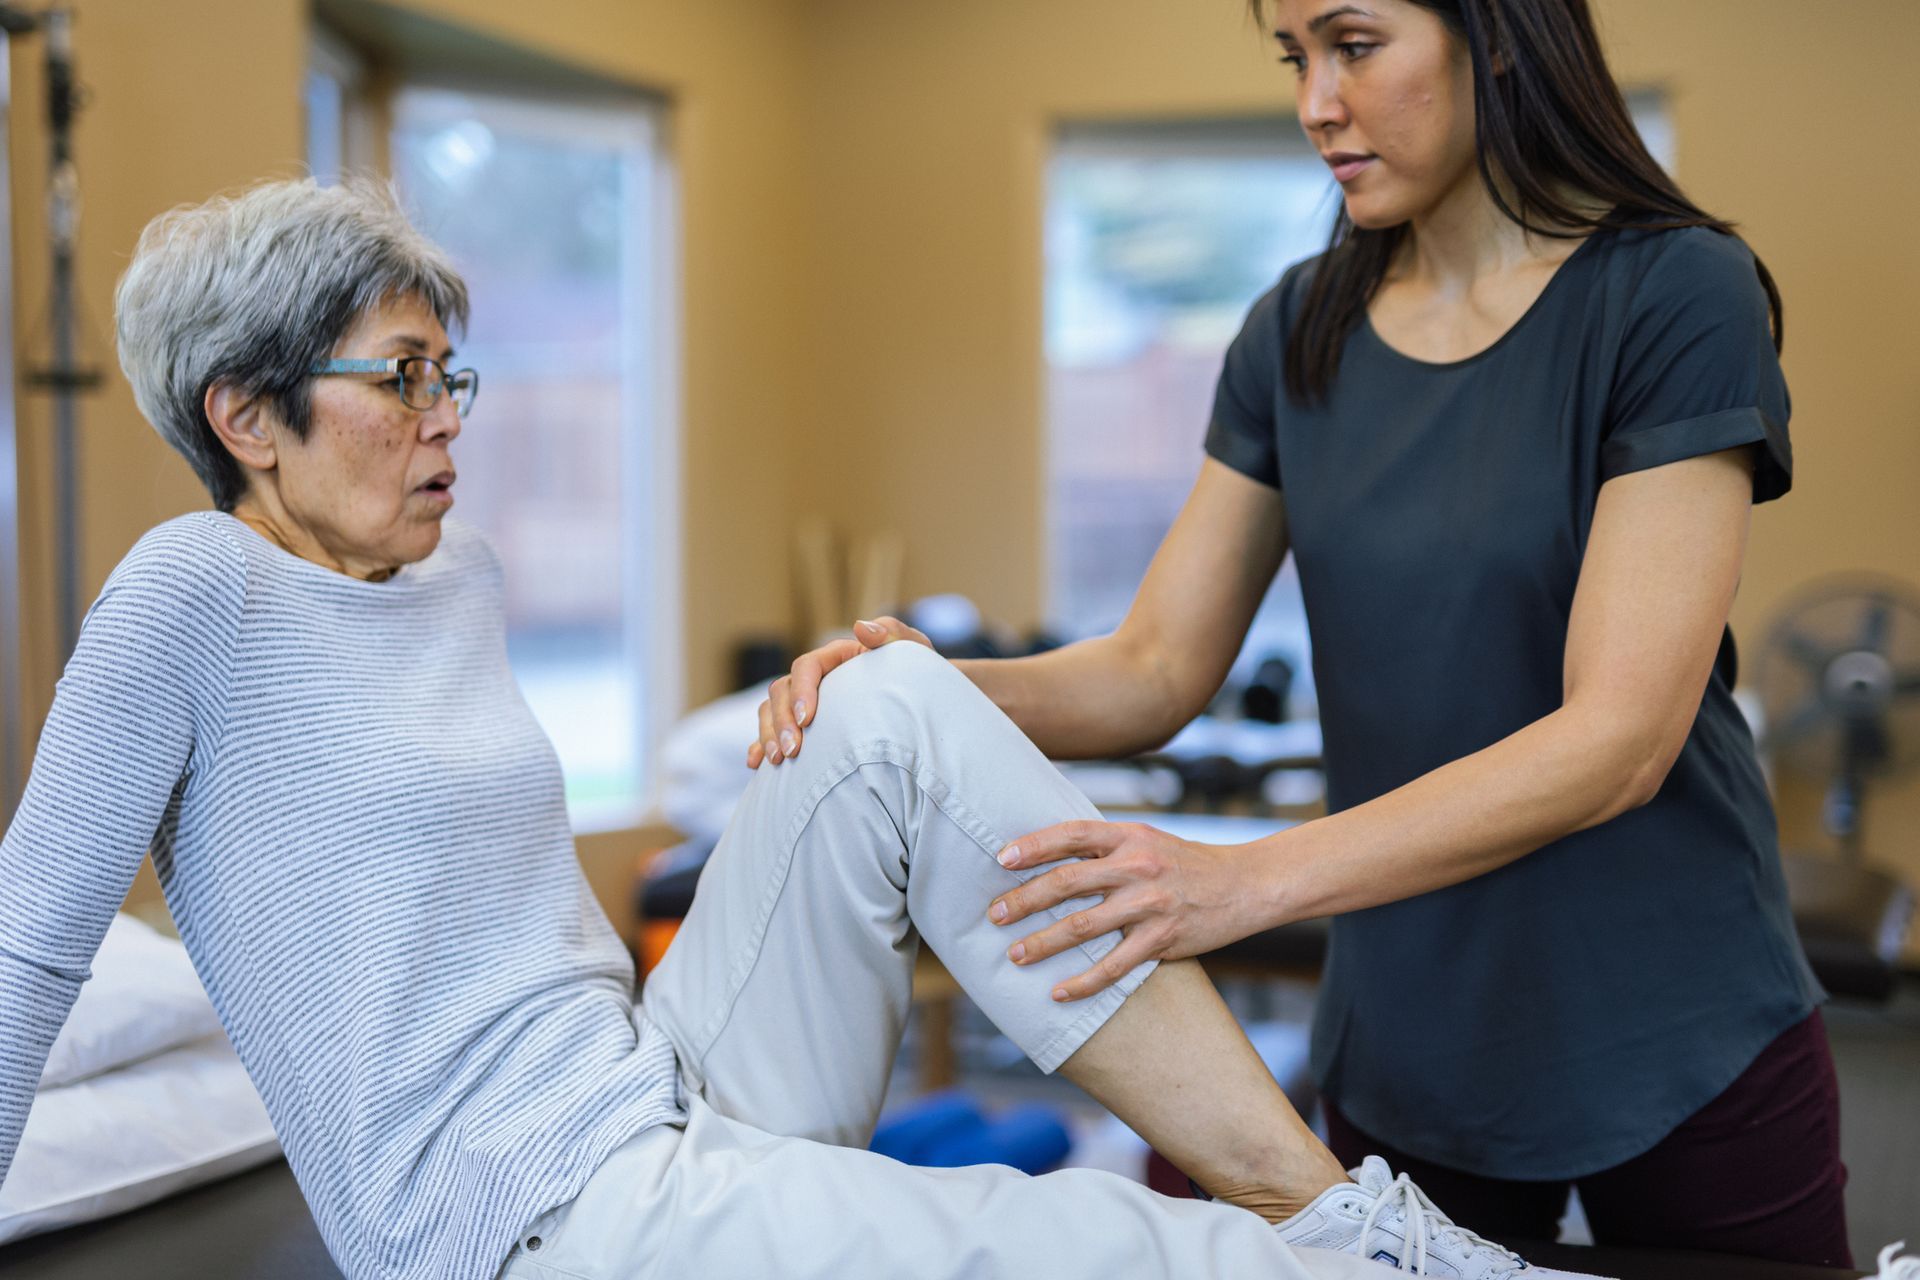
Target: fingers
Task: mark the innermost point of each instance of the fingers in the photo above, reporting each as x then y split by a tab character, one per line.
780	719
809	669
1078	839
886	630
769	743
1050	890
1134	949
1075	930
793	700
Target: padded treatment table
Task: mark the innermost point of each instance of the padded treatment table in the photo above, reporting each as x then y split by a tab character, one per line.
256	1225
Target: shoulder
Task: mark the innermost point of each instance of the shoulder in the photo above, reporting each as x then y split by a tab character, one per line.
171	611
1262	338
191	565
1277	308
1685	264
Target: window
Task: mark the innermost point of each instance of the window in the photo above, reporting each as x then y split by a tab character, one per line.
556	215
1159	237
1158	240
341	128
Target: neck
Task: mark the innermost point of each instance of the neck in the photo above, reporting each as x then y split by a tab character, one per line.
263	512
1465	238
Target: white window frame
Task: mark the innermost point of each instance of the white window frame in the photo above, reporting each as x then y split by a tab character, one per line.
356	128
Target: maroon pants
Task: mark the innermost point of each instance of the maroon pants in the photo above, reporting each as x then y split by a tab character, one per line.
1756	1172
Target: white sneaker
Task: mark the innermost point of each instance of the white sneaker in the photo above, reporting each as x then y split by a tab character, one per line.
1390	1220
1897	1268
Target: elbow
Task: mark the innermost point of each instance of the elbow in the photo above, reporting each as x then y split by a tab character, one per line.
1642	785
1169	695
1644	773
1639	760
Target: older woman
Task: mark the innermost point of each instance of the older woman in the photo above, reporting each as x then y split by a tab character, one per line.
300	702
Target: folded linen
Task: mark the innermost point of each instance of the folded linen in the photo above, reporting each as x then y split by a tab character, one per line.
131	1136
143	998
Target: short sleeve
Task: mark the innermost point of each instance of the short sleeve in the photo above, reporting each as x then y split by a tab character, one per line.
1241	432
1697	370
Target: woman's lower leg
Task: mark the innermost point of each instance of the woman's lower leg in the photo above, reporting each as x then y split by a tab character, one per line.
1175	1066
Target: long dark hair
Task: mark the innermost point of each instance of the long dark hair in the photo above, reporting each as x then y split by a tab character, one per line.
1551	118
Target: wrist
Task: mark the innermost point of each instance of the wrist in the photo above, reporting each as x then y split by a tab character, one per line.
1272	871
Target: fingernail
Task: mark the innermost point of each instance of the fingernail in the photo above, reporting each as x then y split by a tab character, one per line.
787	741
800	711
772	752
999	911
1018	953
1010	855
871	626
1059	993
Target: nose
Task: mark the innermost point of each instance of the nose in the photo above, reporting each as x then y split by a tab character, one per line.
442	422
1321	107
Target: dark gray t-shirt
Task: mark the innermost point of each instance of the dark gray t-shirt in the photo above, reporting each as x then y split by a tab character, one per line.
1565	1012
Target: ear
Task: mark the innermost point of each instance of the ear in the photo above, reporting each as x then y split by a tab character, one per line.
240	421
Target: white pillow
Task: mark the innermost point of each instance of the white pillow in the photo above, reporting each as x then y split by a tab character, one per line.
132	1136
143	998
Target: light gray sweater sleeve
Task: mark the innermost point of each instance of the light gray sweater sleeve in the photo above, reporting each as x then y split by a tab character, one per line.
141	700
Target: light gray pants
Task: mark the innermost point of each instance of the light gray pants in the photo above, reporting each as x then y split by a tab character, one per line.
785	994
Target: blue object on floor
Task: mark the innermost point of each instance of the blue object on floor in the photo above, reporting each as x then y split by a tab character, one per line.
949	1130
1029	1138
925	1125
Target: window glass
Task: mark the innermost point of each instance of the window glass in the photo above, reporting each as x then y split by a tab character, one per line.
551	214
1158	241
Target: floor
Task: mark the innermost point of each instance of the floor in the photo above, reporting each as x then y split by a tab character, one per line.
1876	1052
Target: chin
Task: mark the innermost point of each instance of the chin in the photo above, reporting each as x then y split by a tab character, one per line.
425	538
1373	214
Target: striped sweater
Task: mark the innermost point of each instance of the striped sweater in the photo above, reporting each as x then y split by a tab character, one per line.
363	838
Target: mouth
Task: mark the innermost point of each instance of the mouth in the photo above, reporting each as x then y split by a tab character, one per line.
1347	165
438	486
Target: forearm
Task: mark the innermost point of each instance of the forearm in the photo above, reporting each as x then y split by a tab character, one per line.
36	1000
1564	773
1102	698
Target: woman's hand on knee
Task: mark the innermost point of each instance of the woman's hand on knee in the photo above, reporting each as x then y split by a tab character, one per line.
1169	898
794	699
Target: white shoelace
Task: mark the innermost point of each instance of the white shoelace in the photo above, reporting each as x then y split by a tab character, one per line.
1897	1268
1425	1222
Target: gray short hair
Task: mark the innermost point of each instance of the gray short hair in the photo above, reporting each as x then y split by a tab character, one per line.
253	290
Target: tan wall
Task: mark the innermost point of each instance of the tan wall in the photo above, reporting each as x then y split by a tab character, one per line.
201	95
931	123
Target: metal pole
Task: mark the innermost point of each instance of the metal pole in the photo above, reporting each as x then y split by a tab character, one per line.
63	218
10	688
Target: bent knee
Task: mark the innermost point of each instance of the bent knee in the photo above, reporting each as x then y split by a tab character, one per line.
902	679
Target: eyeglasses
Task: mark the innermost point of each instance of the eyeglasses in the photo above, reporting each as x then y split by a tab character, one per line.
418	380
